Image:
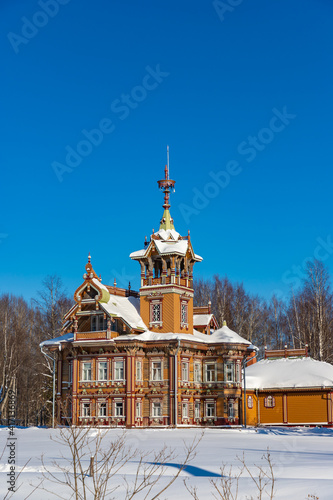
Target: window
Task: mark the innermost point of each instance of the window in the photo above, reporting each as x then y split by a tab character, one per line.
86	371
185	410
138	409
119	370
197	409
138	370
238	373
156	370
119	409
231	409
157	409
229	372
269	402
250	402
102	370
197	372
210	409
210	372
185	371
85	409
98	323
183	313
156	312
102	410
70	372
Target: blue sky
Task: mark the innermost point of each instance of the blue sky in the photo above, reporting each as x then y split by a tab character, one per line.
243	96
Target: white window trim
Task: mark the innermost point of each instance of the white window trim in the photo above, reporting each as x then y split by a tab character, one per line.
185	363
138	363
197	363
114	361
153	403
205	371
151	305
151	379
107	370
184	324
83	371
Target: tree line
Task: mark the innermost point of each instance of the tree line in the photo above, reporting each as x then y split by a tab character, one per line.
23	368
305	317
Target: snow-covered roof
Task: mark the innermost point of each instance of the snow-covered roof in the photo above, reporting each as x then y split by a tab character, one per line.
227	336
202	319
68	337
127	308
99	284
166	247
168	234
289	373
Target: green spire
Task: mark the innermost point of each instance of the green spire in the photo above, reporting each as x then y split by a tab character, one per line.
167	220
166	184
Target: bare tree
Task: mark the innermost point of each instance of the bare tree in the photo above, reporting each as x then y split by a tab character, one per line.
94	460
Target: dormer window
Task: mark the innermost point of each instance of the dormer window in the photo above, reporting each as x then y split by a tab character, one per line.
98	323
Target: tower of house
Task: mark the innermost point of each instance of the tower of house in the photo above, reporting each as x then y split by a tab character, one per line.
167	260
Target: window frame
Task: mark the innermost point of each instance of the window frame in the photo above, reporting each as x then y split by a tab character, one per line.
197	406
211	405
117	405
85	405
102	404
229	370
105	369
84	371
152	370
138	370
116	377
197	379
185	366
206	371
154	406
184	318
152	305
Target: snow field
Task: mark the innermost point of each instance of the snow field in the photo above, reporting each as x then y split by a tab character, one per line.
302	458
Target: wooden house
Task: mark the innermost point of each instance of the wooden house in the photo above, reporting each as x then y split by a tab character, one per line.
289	388
148	358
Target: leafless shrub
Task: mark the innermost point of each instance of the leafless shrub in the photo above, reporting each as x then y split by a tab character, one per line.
91	478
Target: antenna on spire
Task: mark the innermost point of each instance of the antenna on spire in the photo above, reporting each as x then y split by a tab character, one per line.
168	162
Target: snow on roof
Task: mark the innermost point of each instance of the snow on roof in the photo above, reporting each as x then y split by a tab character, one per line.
99	284
138	253
198	257
289	372
170	246
227	336
167	234
153	336
202	319
127	308
68	337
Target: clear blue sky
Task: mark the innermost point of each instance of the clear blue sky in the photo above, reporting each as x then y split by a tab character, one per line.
255	189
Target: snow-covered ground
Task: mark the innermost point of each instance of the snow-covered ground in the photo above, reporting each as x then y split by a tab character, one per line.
302	458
